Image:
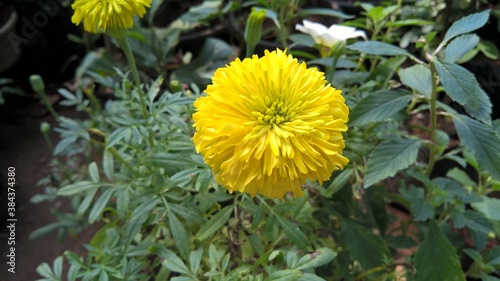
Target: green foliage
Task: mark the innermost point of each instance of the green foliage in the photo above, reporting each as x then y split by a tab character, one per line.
392	212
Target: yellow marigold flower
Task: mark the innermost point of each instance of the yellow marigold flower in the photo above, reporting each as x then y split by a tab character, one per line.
100	15
268	124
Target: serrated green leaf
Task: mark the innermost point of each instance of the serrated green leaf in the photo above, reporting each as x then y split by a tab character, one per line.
472	220
462	87
377	48
390	157
482	141
378	106
318	258
215	223
284	275
417	77
460	46
179	234
475	255
100	204
294	233
421	209
436	258
360	241
467	24
77	187
489	207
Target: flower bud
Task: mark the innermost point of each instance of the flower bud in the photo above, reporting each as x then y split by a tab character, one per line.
338	48
44	127
253	30
37	83
175	86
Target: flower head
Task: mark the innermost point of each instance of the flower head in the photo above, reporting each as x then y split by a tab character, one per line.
268	124
100	15
329	36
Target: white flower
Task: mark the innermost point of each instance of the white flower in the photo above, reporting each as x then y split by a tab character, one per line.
329	36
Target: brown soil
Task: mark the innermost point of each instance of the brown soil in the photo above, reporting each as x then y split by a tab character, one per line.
22	146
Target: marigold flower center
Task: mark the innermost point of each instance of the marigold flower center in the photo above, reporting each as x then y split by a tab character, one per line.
274	113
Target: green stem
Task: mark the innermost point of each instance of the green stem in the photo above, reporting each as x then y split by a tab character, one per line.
334	66
282	29
123	42
249	50
119	157
47	104
433	122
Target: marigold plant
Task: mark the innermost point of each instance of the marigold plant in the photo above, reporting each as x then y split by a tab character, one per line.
268	124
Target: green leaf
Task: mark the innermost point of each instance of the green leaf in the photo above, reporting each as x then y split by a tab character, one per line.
436	258
472	220
489	49
390	157
482	141
385	71
486	277
378	106
195	260
294	233
421	209
172	261
58	266
284	275
179	234
417	77
117	135
489	207
462	87
100	204
108	164
400	23
467	24
320	257
215	223
94	172
364	246
45	270
323	12
338	182
165	159
460	46
44	230
77	187
378	49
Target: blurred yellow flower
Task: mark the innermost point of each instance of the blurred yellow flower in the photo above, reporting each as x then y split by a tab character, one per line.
268	124
99	15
